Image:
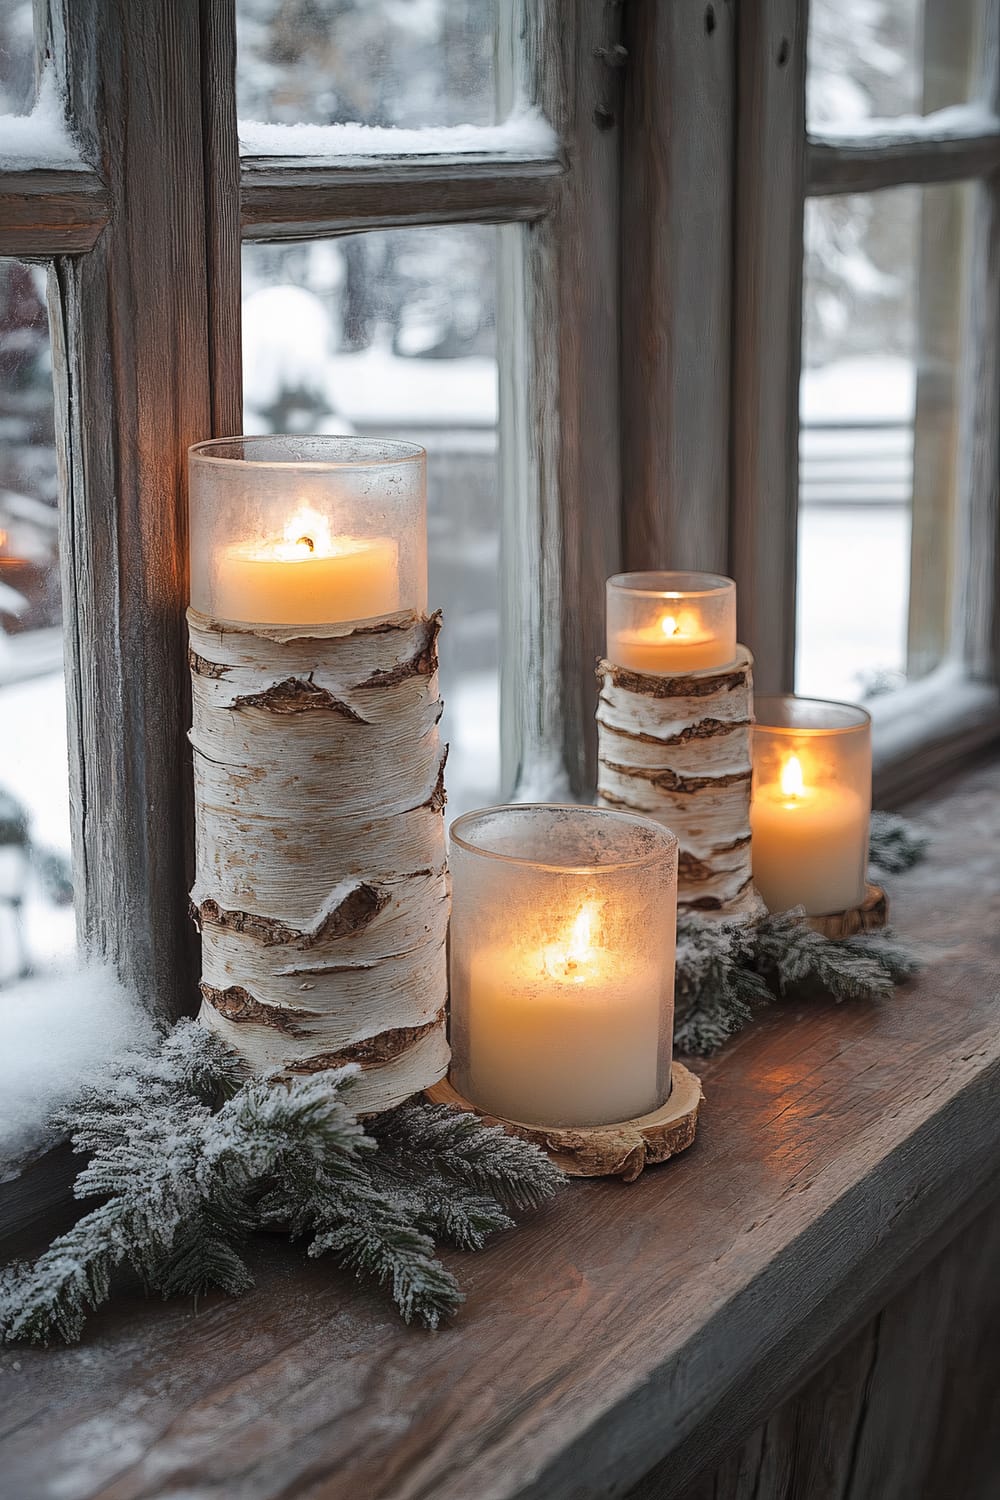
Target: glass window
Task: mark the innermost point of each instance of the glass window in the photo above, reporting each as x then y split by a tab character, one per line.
393	334
376	62
882	339
882	58
17	58
36	913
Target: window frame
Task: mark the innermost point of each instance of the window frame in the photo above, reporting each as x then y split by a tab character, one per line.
648	374
930	726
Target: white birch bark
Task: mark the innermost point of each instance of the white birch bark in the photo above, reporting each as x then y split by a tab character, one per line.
677	749
321	884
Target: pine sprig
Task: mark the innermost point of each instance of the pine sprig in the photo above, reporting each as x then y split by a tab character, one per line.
459	1146
894	843
184	1181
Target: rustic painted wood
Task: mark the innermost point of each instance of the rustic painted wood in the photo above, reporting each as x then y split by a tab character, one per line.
622	1150
321	882
909	1407
132	340
620	1327
291	198
558	341
677	195
845	164
767	321
977	612
44	213
677	749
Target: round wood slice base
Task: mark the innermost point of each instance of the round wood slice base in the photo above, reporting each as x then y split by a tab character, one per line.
607	1150
870	916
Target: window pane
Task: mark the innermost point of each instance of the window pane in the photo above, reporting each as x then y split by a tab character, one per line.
17	58
392	334
36	912
888	57
884	303
376	62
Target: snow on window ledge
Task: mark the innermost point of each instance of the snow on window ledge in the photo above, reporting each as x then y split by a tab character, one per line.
57	1035
955	123
40	141
524	134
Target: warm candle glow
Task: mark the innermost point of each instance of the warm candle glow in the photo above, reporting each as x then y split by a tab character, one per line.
577	958
309	576
809	806
791	779
670	631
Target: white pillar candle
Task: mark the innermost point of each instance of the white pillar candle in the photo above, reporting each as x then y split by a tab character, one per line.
564	1034
562	963
308	576
810	805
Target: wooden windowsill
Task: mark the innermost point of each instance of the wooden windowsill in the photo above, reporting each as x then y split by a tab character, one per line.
839	1148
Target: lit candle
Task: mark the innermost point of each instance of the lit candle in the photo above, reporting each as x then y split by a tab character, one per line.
562	967
308	576
810	805
668	624
566	1033
307	531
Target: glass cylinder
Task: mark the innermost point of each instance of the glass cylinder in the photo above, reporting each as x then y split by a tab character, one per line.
307	530
562	963
810	803
671	623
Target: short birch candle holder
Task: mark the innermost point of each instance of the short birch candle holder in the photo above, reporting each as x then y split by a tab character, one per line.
674	718
810	813
562	980
321	885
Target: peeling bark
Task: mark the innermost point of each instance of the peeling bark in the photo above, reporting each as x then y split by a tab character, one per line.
237	1004
321	884
293	696
677	749
371	1052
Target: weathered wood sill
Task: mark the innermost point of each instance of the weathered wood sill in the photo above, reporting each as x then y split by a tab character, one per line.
626	1329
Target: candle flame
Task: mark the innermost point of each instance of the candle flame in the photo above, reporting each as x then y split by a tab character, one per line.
571	958
669	625
791	780
307	532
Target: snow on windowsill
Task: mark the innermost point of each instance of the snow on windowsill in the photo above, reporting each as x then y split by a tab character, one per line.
957	122
57	1035
526	133
41	140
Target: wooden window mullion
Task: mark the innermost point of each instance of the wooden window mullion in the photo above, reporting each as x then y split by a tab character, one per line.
138	350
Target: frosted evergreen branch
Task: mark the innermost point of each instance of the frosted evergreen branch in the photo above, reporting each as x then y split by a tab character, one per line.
185	1179
895	844
727	968
458	1145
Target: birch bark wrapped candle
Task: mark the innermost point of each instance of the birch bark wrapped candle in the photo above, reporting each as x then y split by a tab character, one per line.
674	717
321	881
562	967
811	804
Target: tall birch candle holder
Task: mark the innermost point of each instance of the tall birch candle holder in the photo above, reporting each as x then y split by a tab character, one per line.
562	984
674	719
321	885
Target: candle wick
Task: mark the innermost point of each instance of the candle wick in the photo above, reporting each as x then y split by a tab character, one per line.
306	541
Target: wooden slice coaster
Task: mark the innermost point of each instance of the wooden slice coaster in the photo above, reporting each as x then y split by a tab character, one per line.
607	1150
870	916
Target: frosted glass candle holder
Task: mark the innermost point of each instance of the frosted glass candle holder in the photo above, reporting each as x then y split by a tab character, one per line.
307	530
562	963
671	623
810	804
